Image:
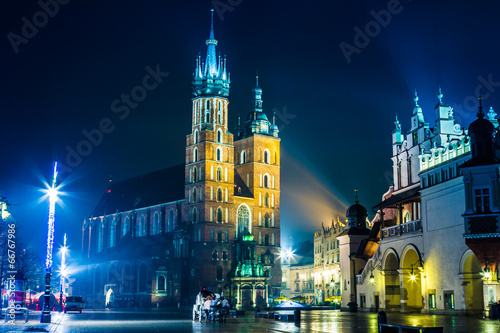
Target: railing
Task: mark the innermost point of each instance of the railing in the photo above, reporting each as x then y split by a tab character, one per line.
400	229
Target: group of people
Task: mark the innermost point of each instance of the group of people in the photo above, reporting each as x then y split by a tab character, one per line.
212	305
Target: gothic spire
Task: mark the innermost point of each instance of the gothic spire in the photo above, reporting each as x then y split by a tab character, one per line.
211	66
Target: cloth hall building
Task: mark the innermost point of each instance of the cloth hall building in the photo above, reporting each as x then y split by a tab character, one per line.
214	222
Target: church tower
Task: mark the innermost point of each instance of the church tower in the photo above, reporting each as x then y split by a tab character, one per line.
209	172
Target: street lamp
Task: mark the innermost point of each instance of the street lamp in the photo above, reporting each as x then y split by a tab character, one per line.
372	278
52	193
64	249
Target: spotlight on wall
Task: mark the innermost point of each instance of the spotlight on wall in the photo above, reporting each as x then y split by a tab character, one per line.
372	278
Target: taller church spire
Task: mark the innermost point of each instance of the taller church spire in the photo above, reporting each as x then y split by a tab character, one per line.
211	78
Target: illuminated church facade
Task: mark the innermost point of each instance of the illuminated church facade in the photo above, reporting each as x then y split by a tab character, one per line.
434	244
214	222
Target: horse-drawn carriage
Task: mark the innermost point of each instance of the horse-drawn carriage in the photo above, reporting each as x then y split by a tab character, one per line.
216	308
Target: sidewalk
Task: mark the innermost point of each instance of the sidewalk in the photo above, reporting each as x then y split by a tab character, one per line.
33	324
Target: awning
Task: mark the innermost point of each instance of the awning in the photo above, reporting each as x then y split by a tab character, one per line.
404	197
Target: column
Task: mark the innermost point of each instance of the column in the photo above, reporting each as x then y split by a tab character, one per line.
253	294
238	297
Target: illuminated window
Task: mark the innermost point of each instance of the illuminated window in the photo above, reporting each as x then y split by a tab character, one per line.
219	215
267	183
142	226
219	194
196	136
195	155
219	174
112	234
272	239
482	200
243	220
156	223
243	157
100	237
267	157
219	154
126	226
219	113
432	301
207	111
219	136
196	112
161	283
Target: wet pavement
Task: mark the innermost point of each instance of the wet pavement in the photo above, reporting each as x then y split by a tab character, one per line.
311	321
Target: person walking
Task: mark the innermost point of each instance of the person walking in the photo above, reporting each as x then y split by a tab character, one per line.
206	307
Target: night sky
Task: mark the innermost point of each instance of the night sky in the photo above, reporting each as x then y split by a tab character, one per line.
336	113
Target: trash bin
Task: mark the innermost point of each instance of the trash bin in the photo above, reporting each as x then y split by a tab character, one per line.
296	315
494	311
382	317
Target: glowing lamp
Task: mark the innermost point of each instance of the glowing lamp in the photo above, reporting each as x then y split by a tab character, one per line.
487	273
372	278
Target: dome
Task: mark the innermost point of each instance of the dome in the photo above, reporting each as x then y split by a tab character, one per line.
356	210
481	125
257	90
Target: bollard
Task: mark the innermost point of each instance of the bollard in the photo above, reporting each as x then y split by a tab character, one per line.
296	315
382	319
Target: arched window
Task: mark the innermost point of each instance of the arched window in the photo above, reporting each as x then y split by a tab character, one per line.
266	200
143	277
100	237
272	239
243	220
156	223
219	154
194	217
219	194
195	155
243	157
260	238
267	156
266	220
272	220
224	255
219	173
170	222
207	111
194	193
226	236
112	234
196	136
195	174
214	253
142	227
266	240
219	136
161	283
219	115
219	236
126	226
196	112
212	235
267	183
406	217
219	215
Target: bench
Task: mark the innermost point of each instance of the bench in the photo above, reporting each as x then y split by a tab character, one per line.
235	313
265	314
387	328
283	316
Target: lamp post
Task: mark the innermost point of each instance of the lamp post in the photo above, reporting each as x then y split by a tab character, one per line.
63	274
46	316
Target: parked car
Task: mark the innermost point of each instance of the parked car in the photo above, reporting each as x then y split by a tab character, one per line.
73	303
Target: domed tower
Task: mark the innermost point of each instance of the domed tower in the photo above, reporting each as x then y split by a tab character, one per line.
349	241
482	199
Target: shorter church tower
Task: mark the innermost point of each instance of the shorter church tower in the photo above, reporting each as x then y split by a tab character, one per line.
349	241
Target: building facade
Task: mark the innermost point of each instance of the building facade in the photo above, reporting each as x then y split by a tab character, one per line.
327	274
298	273
212	223
417	259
